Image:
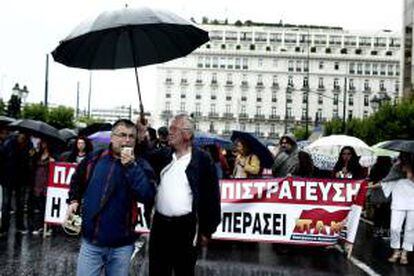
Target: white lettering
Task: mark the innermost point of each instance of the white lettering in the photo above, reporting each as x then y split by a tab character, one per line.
311	190
325	190
272	188
59	174
259	186
298	185
339	197
227	190
285	190
352	191
246	186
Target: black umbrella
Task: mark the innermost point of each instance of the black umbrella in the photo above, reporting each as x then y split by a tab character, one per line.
36	128
95	127
67	134
129	38
266	159
399	145
4	120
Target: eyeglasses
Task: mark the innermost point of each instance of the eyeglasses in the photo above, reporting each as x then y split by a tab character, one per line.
124	135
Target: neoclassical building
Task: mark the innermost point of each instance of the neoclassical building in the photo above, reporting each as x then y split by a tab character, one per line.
268	78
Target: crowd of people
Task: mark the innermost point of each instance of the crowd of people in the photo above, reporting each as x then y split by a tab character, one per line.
178	184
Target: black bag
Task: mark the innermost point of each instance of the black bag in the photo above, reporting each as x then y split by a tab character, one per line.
377	196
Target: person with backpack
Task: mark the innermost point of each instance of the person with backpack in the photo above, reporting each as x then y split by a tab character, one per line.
107	185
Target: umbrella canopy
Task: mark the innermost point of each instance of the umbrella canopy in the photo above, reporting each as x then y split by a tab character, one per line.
67	134
4	120
264	155
95	127
379	151
37	128
100	139
332	145
129	38
204	138
399	145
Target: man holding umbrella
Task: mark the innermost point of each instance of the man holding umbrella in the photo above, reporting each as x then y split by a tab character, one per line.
187	205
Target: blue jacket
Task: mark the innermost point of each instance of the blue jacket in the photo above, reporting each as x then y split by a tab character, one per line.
110	192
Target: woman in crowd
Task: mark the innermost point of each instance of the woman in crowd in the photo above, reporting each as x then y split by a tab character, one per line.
81	148
247	164
37	197
306	167
402	209
348	165
381	205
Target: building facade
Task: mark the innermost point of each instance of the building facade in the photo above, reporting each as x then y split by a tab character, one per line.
268	79
111	115
408	46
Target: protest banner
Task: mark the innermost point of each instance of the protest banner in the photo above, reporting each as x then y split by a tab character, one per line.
281	210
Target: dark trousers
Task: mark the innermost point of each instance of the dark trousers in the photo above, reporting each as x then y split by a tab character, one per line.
36	211
382	215
20	199
171	246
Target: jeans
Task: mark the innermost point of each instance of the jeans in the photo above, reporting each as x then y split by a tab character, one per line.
94	259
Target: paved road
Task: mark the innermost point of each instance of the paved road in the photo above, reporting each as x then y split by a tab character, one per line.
56	255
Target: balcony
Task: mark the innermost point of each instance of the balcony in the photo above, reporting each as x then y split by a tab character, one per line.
213	115
228	115
273	135
166	114
196	115
275	86
229	84
259	85
274	118
305	88
290	119
199	82
214	83
321	88
352	89
259	117
243	116
367	89
303	119
168	81
244	85
336	89
184	82
259	134
383	89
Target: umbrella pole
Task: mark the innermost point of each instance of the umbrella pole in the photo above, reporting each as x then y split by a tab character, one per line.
141	106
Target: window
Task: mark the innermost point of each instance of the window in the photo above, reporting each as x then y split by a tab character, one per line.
182	107
305	82
390	70
238	63
242	127
260	62
222	63
289	112
227	127
382	85
374	69
320	83
383	67
258	110
273	111
298	66
366	85
366	100
230	62
274	97
359	68
352	68
365	114
320	65
336	84
214	78
198	94
290	65
215	62
288	97
182	94
243	109
367	69
168	106
335	113
245	63
257	129
336	65
207	62
290	81
213	108
305	98
351	84
228	108
335	99
351	100
320	98
200	62
272	128
350	113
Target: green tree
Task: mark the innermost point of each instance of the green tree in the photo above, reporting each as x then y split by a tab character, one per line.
36	112
89	120
300	133
2	107
61	117
14	107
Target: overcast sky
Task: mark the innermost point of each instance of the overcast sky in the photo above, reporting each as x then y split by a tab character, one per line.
31	29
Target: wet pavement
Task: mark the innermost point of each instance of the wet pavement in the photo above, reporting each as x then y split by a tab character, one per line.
56	255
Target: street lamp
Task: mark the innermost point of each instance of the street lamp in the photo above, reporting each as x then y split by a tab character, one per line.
22	93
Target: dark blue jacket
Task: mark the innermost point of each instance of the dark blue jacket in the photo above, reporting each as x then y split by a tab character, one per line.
110	192
202	176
